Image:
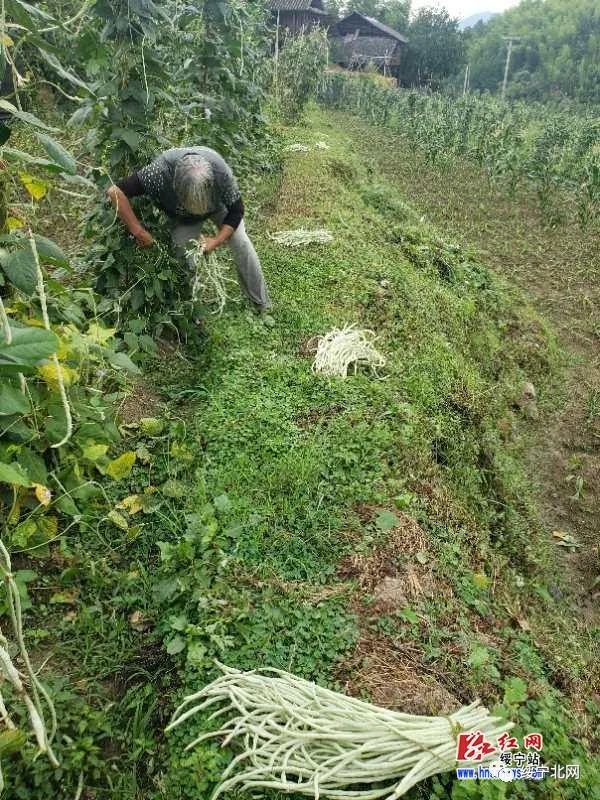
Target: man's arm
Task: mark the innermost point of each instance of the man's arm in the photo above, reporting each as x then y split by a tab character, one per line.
127	216
230	224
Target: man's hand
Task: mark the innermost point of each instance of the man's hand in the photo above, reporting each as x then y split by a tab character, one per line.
209	244
143	237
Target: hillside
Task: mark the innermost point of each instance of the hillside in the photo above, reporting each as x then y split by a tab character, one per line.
557	56
374	533
475	19
385	486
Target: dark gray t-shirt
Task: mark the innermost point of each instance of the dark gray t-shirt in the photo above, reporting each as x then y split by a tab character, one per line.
157	180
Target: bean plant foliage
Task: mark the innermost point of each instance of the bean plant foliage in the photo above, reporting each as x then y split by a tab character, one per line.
192	74
187	74
300	71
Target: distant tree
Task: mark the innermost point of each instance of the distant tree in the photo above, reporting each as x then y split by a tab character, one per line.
394	13
558	55
435	48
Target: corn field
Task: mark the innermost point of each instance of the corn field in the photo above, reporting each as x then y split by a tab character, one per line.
554	152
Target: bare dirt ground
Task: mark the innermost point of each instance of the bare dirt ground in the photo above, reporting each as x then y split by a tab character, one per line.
559	270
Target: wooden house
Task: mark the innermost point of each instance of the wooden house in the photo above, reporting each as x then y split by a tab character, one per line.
358	40
294	15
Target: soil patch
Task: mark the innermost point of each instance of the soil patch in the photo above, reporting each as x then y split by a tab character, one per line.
140	402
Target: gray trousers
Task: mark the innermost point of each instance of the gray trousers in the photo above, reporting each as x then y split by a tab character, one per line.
249	271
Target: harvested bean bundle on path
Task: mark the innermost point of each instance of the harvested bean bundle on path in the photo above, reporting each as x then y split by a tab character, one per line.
341	348
297	737
302	236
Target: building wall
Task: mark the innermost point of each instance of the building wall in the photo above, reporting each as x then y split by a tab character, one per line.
294	21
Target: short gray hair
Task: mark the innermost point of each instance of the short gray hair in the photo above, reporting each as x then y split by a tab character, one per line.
193	182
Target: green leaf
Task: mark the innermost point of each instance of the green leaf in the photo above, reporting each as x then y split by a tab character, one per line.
222	503
479	656
58	154
163	590
60	70
20	155
50	251
121	466
515	691
14	474
94	452
25	11
386	521
25	116
121	361
79	117
196	653
176	645
409	615
151	426
34	465
174	489
20	269
12	400
62	598
118	520
131	138
11	742
28	347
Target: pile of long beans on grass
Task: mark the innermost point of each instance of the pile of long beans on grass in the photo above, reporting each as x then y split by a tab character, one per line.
343	348
297	737
302	237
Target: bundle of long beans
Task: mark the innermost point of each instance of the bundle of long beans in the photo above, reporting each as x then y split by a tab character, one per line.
209	282
297	737
302	236
26	686
342	348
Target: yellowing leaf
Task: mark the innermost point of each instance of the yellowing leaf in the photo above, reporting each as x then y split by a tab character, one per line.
118	520
48	526
100	335
43	494
132	504
66	598
63	351
181	452
35	323
13	223
121	466
94	452
49	374
150	426
6	40
36	187
480	580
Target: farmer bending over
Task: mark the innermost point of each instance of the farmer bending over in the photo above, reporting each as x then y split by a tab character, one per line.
191	185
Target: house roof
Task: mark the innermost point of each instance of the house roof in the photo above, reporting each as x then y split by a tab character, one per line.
315	6
374	23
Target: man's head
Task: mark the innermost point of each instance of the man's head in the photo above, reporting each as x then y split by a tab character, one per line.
193	183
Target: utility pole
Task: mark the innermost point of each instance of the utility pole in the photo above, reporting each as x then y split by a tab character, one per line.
466	84
510	40
276	76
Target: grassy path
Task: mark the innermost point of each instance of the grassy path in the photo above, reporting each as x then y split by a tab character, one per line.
375	534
